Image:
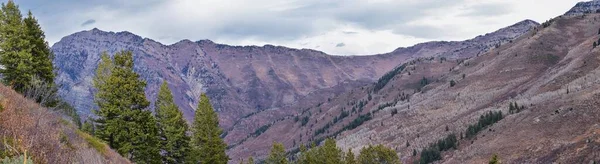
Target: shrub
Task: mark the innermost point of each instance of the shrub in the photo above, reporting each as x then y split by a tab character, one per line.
17	160
304	121
452	83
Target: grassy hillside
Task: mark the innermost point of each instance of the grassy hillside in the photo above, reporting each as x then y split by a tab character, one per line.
46	136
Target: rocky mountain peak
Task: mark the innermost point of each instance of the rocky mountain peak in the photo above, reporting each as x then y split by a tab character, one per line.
584	7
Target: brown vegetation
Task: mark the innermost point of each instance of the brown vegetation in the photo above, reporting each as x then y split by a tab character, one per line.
45	135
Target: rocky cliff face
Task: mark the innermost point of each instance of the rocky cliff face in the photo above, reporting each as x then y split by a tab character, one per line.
240	79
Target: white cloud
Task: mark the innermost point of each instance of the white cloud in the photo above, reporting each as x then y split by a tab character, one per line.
365	27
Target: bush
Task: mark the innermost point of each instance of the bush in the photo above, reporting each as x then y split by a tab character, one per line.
16	160
304	120
452	83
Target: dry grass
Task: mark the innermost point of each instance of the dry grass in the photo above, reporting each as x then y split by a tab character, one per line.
45	135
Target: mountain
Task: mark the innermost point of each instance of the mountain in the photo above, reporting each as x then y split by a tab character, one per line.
240	80
552	72
584	7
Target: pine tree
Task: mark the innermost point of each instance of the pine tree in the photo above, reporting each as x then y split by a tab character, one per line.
16	50
42	81
329	153
349	158
378	154
250	160
88	127
494	160
277	155
122	120
174	141
208	147
41	54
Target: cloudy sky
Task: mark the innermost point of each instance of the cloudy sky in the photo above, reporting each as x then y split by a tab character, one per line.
340	27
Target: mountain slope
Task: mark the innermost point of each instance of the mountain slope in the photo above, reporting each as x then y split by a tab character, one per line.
240	79
45	136
552	71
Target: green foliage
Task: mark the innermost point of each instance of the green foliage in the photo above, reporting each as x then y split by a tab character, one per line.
175	144
387	77
207	145
16	54
25	53
424	82
88	127
494	160
515	108
16	160
304	121
277	155
94	142
250	160
484	121
378	154
433	152
452	83
122	120
42	56
349	158
261	130
358	121
547	23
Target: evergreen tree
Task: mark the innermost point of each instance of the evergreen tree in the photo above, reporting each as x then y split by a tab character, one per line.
494	160
122	120
88	127
349	158
250	160
378	154
277	155
41	54
307	156
329	153
172	126
208	147
16	50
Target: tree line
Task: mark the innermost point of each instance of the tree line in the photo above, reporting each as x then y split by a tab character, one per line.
126	124
329	153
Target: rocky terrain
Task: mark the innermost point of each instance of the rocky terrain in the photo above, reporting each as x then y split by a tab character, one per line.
241	80
552	71
584	7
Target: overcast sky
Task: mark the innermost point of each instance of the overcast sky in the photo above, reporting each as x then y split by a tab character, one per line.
340	27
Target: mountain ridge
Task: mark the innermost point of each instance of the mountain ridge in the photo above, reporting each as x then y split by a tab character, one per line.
241	79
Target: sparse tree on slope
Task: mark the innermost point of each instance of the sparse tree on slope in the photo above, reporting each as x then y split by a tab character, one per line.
378	154
250	160
207	145
172	126
122	120
494	160
277	155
